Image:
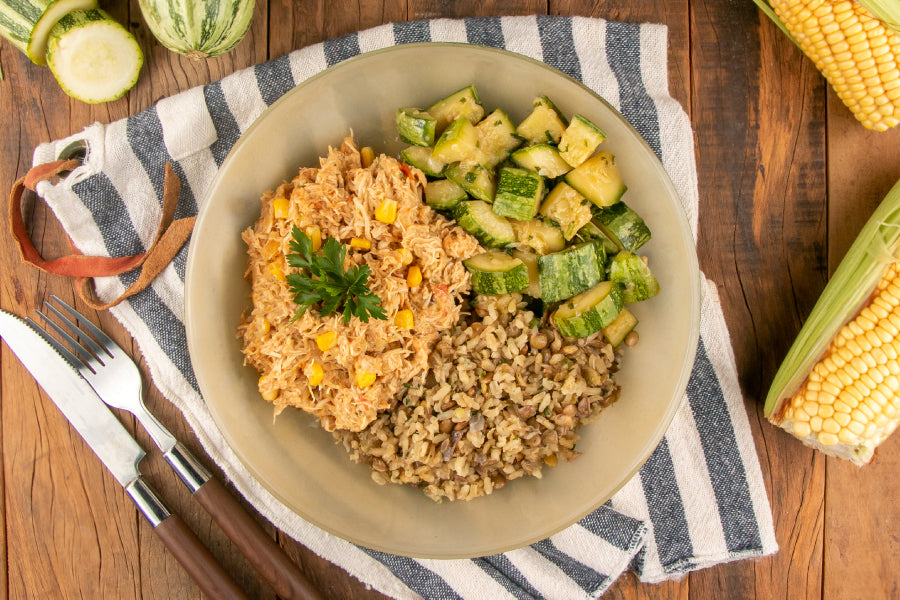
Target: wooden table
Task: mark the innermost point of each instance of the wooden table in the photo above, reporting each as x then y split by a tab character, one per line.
786	178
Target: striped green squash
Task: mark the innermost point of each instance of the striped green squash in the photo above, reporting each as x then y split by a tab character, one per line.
198	28
27	23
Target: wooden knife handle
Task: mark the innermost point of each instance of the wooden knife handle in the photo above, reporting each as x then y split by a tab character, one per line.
209	575
266	556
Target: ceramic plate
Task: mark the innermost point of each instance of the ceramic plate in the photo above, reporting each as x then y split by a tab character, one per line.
300	463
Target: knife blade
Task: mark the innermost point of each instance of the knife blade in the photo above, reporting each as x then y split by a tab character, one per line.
116	448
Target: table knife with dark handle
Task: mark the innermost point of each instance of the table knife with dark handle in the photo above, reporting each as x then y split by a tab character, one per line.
118	451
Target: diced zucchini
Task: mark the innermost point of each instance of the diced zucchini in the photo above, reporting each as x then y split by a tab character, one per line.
443	194
633	273
415	126
622	225
495	273
476	217
459	142
530	259
579	140
545	124
464	103
519	193
543	159
541	236
497	138
598	179
590	311
590	231
475	179
615	332
568	208
568	272
422	159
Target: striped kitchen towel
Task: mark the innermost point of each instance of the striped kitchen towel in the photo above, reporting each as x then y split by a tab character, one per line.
698	501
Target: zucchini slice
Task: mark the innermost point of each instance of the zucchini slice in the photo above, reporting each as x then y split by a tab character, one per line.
495	273
539	235
459	142
464	103
476	180
545	124
598	179
591	232
476	217
622	225
93	58
443	194
621	326
635	276
543	159
415	127
530	259
519	193
496	138
569	272
568	208
27	23
421	158
590	311
579	140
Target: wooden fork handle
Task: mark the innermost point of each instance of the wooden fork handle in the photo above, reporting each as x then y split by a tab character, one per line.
266	556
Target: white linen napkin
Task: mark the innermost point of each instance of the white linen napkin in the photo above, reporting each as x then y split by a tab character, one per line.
698	501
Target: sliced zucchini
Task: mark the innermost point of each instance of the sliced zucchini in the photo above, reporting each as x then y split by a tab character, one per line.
495	273
415	127
540	235
476	217
590	311
633	273
579	140
93	58
464	103
459	142
519	193
568	208
545	124
26	24
591	231
543	159
568	272
496	138
421	158
443	194
615	332
622	225
475	179
530	259
598	179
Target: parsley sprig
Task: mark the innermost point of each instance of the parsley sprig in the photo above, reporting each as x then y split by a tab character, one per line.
324	280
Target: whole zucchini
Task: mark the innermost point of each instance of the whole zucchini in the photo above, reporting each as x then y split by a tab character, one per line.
27	23
198	28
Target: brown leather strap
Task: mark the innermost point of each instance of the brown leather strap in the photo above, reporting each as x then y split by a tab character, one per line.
170	237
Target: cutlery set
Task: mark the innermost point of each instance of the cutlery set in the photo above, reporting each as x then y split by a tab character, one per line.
90	371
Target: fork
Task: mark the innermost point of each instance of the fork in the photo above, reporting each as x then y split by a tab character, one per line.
116	379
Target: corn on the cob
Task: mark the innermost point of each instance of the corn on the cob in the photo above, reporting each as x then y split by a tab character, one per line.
838	388
856	51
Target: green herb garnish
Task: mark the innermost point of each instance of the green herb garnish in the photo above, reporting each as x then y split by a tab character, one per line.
324	280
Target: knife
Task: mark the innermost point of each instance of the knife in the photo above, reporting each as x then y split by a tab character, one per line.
118	451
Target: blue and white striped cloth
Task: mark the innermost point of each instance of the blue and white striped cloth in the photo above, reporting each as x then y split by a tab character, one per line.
698	501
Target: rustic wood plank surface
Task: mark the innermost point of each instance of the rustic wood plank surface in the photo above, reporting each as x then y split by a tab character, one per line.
786	178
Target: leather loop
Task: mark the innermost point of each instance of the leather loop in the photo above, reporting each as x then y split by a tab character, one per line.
170	237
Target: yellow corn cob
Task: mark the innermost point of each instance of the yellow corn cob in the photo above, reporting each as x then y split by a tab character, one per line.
856	52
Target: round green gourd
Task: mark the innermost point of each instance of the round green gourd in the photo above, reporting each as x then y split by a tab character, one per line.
198	28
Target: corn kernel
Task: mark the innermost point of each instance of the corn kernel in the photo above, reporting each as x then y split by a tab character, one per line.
842	419
413	276
406	257
386	211
315	237
281	208
276	272
826	411
801	429
550	460
830	426
317	374
404	319
364	379
828	439
366	156
268	395
360	243
326	340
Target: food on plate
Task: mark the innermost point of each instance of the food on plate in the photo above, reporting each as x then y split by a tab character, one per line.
838	388
452	317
